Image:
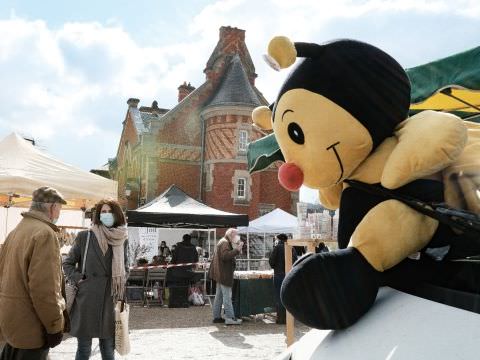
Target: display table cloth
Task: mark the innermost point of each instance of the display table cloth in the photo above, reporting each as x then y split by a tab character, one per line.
250	295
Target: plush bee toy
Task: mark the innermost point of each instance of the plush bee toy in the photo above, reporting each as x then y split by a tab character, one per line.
342	114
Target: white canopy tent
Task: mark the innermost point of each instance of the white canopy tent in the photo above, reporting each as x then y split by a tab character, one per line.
275	222
24	168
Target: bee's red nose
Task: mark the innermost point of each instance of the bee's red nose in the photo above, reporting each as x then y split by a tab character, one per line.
290	176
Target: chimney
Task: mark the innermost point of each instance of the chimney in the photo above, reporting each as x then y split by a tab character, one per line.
184	90
230	34
132	102
231	42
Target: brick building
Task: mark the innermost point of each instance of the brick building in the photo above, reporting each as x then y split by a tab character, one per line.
200	144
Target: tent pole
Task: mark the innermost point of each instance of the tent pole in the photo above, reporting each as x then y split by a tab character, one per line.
205	271
209	255
264	245
264	235
83	217
248	250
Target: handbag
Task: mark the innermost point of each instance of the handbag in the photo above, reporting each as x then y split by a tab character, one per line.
122	338
71	288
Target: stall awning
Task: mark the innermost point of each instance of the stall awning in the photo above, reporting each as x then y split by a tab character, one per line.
174	208
451	84
24	168
275	222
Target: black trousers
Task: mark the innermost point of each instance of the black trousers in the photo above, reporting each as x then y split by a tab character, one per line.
11	353
277	284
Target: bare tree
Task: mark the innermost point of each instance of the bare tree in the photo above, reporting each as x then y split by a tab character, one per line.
137	250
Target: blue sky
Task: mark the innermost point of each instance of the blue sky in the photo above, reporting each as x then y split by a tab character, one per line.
67	68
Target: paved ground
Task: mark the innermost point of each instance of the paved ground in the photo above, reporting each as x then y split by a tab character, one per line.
162	333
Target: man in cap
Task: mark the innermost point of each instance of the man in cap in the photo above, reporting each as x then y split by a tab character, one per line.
221	270
32	306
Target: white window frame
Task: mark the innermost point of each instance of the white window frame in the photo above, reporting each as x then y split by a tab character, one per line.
242	140
237	189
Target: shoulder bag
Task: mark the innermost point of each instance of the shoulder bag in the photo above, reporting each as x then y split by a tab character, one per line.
71	288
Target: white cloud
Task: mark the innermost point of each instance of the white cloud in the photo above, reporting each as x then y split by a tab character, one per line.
70	84
312	20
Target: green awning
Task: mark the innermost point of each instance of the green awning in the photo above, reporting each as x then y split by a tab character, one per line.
262	153
451	84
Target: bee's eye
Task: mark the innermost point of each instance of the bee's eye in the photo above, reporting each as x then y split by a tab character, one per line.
296	133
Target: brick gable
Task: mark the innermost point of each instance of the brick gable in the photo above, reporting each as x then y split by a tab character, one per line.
129	136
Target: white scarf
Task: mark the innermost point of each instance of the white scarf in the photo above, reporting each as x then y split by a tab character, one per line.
115	237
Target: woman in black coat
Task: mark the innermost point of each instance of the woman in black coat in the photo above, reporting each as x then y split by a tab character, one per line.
277	263
106	270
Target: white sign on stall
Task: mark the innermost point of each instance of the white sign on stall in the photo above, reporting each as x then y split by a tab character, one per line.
149	238
143	243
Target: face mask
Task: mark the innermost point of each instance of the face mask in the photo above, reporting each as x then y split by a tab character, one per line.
107	219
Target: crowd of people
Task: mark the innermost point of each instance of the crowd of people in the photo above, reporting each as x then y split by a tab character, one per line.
165	255
32	284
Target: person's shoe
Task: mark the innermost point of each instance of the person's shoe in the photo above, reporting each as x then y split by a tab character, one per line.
330	290
218	321
233	321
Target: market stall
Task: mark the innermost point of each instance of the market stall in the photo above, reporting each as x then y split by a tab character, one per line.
275	222
175	209
24	168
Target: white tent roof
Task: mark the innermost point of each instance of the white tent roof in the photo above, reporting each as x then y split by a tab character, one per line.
276	221
24	168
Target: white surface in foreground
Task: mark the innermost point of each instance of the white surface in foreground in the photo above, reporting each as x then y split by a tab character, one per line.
399	326
212	343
